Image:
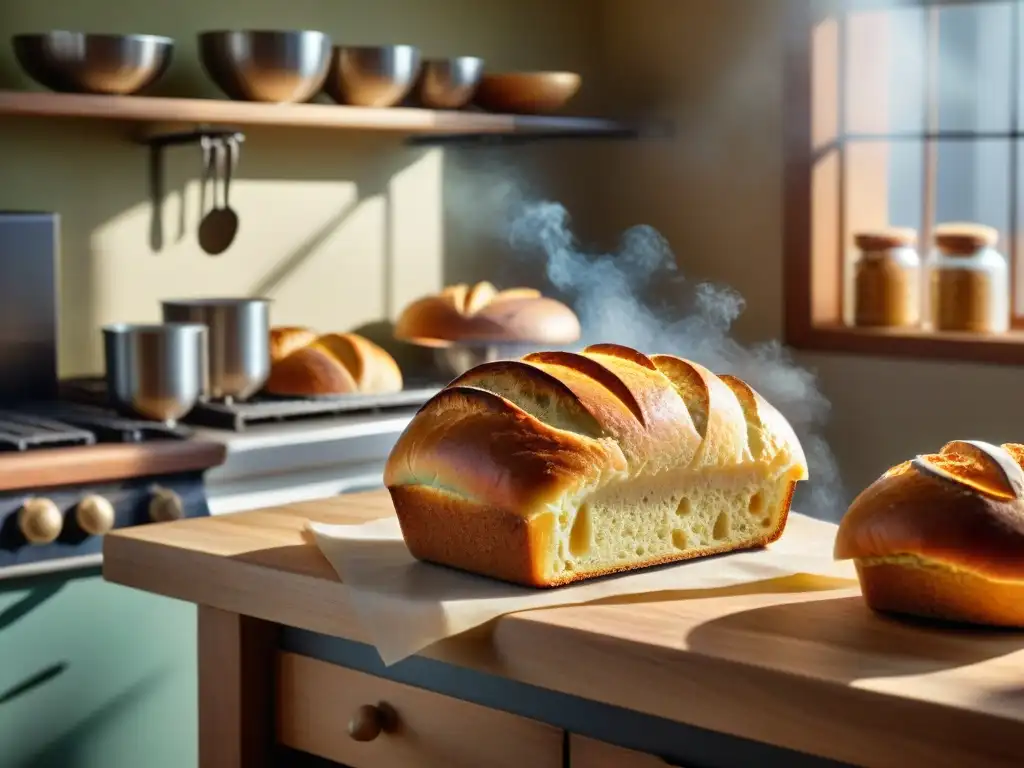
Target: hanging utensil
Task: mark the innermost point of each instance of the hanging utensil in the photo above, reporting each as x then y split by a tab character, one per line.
211	173
229	212
219	227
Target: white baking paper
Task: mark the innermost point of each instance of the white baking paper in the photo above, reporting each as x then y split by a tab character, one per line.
406	605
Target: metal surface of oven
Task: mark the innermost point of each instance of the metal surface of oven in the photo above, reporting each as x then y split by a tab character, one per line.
28	305
132	502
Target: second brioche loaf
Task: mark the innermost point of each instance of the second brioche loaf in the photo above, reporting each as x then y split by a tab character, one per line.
563	466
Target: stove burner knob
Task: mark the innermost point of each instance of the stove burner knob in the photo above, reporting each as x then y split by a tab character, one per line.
95	515
40	520
165	506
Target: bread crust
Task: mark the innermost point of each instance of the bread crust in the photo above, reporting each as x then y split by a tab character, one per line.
493	474
941	537
330	364
287	339
485	449
906	512
481	314
932	590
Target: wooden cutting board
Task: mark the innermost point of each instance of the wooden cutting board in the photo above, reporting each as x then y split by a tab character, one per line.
780	662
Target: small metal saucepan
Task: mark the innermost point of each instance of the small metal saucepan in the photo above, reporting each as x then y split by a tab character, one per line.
239	342
155	371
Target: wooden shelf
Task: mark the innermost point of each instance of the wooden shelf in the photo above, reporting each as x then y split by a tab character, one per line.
402	120
1002	349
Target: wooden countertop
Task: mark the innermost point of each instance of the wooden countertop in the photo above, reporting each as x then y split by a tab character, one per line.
813	671
106	462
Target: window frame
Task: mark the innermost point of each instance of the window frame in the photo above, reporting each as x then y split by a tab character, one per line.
815	269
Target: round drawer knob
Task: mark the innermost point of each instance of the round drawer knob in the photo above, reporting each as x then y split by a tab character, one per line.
40	521
165	506
370	721
95	515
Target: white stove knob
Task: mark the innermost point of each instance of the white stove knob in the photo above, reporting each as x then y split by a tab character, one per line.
95	515
165	506
40	520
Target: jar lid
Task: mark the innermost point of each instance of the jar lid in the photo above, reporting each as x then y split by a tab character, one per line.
965	239
883	239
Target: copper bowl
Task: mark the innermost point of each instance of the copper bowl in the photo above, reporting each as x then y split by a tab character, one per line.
527	93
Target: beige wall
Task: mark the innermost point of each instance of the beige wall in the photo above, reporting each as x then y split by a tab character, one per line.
340	229
715	66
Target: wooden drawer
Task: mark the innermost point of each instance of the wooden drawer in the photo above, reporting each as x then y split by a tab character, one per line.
317	700
587	753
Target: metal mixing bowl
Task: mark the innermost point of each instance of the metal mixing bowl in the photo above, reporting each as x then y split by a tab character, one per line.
78	62
372	76
155	371
266	65
456	359
449	83
239	342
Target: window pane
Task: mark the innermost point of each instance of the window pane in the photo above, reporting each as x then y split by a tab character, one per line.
973	184
885	54
974	80
884	187
1017	269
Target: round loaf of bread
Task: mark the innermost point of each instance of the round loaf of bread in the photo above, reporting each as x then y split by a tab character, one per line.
481	314
942	536
335	364
286	339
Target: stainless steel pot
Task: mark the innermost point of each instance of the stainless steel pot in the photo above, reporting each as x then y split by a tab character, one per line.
155	371
238	342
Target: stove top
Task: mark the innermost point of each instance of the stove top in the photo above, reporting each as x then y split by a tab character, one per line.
264	409
35	426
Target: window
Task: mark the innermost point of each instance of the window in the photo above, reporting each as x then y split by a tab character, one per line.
902	115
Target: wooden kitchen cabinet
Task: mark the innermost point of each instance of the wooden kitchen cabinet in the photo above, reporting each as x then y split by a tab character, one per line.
794	677
398	726
589	753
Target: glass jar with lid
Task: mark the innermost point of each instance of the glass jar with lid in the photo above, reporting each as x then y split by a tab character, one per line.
887	279
970	280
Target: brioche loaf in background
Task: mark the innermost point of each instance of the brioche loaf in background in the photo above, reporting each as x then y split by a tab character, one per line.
483	314
942	536
561	467
304	364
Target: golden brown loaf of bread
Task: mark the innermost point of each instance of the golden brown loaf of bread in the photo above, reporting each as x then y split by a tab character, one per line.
483	314
942	536
286	339
331	364
561	466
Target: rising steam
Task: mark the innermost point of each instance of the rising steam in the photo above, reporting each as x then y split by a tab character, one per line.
608	293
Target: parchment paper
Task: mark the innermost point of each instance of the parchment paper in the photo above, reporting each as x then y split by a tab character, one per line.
406	605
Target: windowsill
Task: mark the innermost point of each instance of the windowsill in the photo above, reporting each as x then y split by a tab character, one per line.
1002	349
